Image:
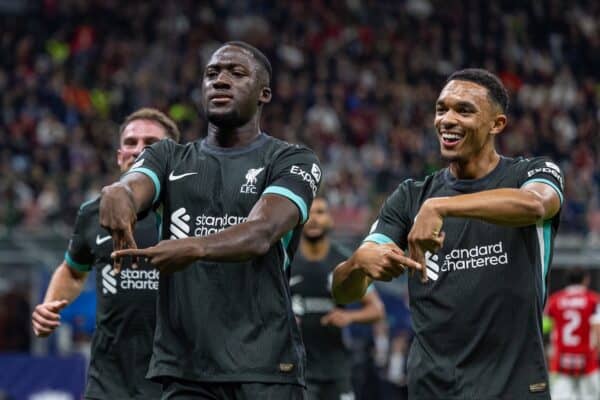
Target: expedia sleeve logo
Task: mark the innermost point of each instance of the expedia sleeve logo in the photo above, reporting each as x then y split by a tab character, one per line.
307	177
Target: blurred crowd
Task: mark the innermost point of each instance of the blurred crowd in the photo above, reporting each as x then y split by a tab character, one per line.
355	80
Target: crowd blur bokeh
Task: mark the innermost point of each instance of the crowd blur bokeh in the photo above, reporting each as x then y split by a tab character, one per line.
355	80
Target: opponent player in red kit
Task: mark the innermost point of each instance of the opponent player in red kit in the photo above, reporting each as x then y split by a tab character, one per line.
575	312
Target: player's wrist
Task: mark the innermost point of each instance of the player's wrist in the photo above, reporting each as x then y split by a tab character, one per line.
437	205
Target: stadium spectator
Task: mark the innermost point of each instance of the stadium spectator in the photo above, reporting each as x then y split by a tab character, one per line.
76	67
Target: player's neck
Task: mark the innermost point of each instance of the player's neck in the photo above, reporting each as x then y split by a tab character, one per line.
315	251
476	167
232	137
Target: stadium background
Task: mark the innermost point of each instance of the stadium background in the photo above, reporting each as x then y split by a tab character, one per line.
355	80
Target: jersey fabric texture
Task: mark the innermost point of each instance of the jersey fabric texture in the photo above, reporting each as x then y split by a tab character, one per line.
126	309
228	321
573	310
327	353
478	319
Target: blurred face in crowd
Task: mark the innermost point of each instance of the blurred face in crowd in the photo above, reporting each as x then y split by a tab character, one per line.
138	134
466	120
234	86
319	221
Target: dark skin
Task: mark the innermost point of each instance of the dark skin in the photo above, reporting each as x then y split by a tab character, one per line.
235	87
464	111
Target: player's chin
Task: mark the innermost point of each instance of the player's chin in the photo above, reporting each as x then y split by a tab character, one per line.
222	116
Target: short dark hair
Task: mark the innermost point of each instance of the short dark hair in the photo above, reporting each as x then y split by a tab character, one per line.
496	90
576	275
258	55
155	115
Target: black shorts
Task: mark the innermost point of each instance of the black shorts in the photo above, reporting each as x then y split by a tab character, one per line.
339	389
177	389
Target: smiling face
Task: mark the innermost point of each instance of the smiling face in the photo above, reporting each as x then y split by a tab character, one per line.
319	221
234	87
466	120
138	134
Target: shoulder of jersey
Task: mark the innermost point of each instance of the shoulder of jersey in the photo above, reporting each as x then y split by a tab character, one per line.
283	145
91	206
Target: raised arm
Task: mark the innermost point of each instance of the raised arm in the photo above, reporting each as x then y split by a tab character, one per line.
119	205
527	205
66	284
270	218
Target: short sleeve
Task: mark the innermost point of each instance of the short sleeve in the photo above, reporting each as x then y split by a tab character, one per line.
393	223
153	162
543	170
296	175
78	255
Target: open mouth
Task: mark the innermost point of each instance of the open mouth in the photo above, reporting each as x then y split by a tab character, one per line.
451	139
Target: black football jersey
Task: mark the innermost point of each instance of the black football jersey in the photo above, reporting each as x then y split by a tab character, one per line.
126	309
327	353
228	321
478	318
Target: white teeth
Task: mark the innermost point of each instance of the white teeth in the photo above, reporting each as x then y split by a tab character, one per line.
451	136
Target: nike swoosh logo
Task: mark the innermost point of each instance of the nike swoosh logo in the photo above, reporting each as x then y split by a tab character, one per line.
173	177
296	279
100	240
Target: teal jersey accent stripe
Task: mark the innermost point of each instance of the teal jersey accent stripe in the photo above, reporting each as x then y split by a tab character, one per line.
85	203
150	174
370	288
75	265
285	242
547	182
544	233
547	249
159	221
378	238
285	192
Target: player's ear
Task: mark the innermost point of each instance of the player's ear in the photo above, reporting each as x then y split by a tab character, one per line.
498	124
119	157
265	95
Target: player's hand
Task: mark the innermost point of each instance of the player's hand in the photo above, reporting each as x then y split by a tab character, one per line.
425	235
383	262
46	318
337	317
168	256
118	217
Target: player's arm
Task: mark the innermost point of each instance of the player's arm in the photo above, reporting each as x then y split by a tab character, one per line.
371	261
270	218
66	284
531	203
372	310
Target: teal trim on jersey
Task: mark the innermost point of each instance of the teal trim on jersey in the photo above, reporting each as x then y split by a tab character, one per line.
285	242
85	203
370	288
159	221
547	182
378	238
150	174
285	192
544	234
547	247
75	265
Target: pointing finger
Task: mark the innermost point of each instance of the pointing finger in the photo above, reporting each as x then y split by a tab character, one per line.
130	252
